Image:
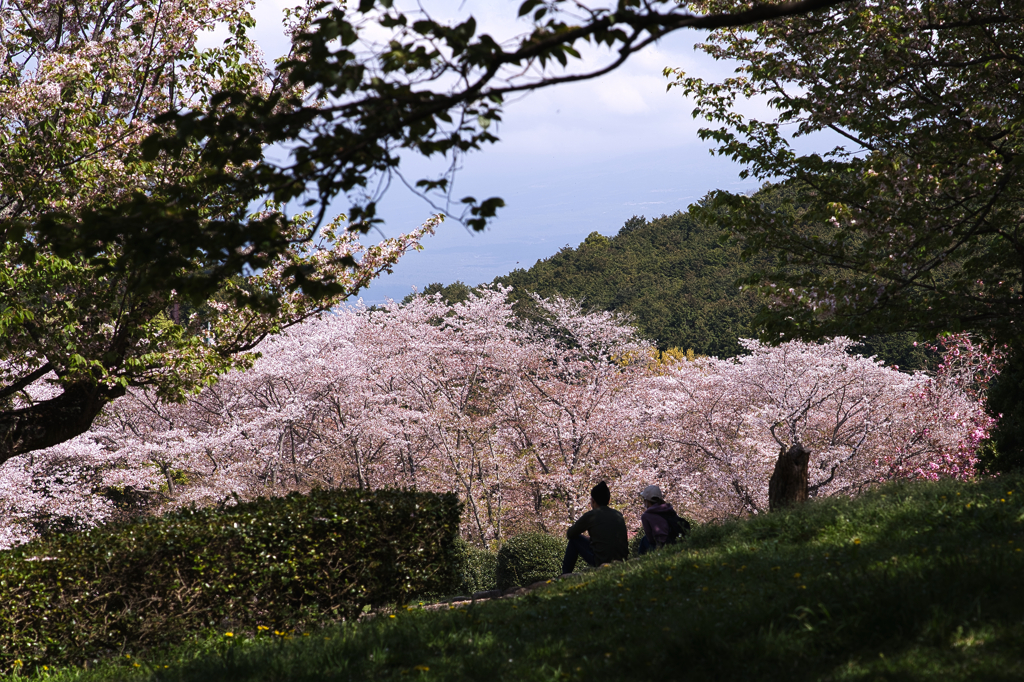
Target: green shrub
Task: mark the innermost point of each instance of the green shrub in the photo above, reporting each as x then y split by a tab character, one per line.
474	570
477	569
277	562
528	558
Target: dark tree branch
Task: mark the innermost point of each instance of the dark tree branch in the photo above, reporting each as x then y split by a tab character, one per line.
26	380
51	422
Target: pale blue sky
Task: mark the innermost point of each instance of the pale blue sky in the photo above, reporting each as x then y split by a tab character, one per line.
572	160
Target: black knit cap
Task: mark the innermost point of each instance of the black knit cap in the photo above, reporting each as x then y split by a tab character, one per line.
600	494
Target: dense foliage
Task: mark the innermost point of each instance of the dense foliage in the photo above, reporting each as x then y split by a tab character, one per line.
529	558
275	563
1005	398
477	569
912	217
81	85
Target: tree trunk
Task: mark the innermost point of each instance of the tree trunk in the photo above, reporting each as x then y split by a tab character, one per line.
788	485
50	422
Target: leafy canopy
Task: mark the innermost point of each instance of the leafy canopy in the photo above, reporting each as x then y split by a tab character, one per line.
914	220
81	86
348	109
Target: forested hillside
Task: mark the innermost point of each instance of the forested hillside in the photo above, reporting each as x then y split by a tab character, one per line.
673	275
676	277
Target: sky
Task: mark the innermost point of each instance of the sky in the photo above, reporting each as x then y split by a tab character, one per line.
572	159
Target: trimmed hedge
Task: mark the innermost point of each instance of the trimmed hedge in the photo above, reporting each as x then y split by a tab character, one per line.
530	557
276	562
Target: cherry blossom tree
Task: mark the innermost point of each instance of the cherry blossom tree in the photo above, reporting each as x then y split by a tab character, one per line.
457	376
517	418
723	422
575	417
81	85
520	418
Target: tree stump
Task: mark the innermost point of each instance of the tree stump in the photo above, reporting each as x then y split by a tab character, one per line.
788	484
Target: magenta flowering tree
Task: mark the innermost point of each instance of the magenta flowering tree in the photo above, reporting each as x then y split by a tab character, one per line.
968	363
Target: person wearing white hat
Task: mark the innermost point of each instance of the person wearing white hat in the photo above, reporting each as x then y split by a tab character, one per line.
662	526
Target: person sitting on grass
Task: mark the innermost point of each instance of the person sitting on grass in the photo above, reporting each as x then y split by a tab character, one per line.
607	530
662	526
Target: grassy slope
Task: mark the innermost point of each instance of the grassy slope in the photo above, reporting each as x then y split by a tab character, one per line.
909	582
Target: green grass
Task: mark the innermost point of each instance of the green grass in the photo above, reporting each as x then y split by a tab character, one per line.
908	582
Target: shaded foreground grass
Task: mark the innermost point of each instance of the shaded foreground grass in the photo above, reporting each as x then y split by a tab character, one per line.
912	581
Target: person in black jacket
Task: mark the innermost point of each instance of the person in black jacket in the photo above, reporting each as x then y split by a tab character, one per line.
607	530
662	526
